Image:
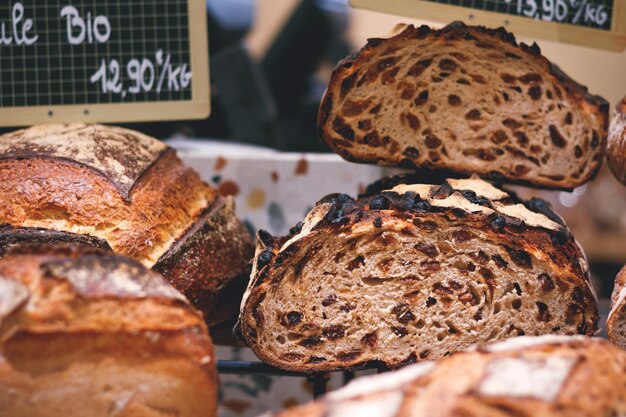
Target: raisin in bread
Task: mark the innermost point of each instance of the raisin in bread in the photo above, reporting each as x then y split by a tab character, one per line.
93	334
466	99
546	376
616	322
415	272
616	148
115	188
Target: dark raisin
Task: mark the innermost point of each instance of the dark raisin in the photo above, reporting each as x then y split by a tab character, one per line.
310	341
331	299
430	301
473	114
378	222
356	262
520	257
426	249
595	139
403	313
316	359
499	136
462	235
578	152
370	339
583	327
543	313
530	78
265	237
399	331
334	332
447	64
569	118
578	296
545	282
498	223
473	198
535	92
432	141
380	202
557	138
500	261
264	258
293	318
421	98
349	356
518	289
296	229
454	100
411	152
508	78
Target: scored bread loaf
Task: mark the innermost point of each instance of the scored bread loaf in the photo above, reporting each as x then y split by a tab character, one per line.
616	147
466	99
119	189
546	376
416	272
93	334
616	322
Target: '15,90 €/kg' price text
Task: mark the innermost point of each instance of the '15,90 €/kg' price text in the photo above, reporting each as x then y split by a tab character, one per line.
143	75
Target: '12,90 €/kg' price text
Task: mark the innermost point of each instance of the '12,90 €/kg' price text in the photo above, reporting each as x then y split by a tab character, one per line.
143	75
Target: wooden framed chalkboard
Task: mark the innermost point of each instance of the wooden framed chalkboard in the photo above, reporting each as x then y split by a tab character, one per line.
103	60
593	23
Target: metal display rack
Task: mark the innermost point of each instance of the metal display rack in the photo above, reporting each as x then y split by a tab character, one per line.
318	381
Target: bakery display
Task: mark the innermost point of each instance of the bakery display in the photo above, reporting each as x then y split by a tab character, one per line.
412	273
616	146
119	189
545	376
465	99
90	333
616	322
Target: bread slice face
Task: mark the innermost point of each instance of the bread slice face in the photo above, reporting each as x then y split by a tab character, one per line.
465	99
547	376
616	148
416	272
616	322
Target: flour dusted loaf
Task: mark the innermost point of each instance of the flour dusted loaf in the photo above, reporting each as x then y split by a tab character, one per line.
546	376
415	272
616	322
119	189
90	333
465	99
616	148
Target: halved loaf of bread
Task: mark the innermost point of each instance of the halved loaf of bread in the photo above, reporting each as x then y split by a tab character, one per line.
415	272
546	376
616	322
466	99
616	148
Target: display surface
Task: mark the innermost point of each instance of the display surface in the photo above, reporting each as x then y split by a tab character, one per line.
415	272
88	53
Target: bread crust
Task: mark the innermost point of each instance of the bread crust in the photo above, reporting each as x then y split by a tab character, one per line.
352	145
616	322
616	148
542	376
534	230
136	195
85	332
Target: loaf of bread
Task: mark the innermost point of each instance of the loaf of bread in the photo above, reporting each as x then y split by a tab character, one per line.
413	273
546	376
466	99
616	148
616	322
88	333
119	189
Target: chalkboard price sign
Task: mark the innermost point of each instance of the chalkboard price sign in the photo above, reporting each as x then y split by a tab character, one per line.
596	23
94	60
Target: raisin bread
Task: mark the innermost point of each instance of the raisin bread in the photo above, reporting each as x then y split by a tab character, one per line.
416	272
616	149
119	189
466	99
546	376
93	334
616	322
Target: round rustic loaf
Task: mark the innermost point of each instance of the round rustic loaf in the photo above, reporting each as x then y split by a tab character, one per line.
616	146
616	322
119	189
89	333
546	376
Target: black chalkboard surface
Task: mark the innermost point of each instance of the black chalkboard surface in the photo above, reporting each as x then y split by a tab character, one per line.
89	53
594	23
595	14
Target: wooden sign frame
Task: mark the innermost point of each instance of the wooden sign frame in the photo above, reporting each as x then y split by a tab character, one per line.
613	40
199	107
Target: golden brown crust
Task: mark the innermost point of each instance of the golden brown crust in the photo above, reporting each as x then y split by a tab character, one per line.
165	200
539	377
99	326
450	214
365	144
616	148
616	322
